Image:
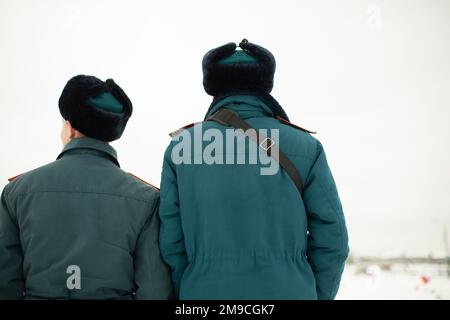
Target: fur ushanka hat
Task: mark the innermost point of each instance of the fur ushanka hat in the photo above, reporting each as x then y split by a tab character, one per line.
226	69
97	109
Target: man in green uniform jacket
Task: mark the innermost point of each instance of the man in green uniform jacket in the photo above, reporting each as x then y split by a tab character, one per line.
230	232
80	227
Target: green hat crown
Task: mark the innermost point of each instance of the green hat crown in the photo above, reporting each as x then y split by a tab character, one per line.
239	56
106	101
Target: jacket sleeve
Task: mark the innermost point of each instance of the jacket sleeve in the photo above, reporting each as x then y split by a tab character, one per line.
12	284
152	276
327	245
171	234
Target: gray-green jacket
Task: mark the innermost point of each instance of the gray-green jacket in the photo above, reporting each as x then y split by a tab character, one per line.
81	215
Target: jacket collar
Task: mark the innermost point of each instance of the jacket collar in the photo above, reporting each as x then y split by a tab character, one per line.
89	145
248	106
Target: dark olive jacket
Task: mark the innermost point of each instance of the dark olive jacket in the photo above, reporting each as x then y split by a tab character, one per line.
81	228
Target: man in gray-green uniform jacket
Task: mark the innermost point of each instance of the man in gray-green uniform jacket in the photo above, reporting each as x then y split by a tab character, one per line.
80	227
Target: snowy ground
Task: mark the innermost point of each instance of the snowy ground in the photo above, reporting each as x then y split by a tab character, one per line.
400	282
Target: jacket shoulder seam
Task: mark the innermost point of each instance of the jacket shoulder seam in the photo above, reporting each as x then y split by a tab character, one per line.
88	192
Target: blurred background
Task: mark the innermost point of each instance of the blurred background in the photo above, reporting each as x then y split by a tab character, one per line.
372	77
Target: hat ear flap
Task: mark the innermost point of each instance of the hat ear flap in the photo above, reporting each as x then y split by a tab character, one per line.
261	54
219	53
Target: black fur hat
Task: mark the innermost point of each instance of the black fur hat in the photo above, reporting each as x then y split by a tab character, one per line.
221	78
76	106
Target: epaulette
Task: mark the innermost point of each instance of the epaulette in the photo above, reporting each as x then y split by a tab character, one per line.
178	131
14	178
287	122
143	181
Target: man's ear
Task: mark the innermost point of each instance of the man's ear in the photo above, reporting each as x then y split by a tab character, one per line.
73	133
70	130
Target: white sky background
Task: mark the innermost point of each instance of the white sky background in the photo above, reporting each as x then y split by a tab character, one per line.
372	77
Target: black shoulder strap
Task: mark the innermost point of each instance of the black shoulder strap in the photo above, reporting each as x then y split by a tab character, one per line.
230	118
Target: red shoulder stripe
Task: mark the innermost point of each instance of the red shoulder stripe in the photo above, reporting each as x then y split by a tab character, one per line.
143	181
172	134
282	120
14	178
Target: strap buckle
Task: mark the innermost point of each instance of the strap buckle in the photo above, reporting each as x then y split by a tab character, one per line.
266	144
